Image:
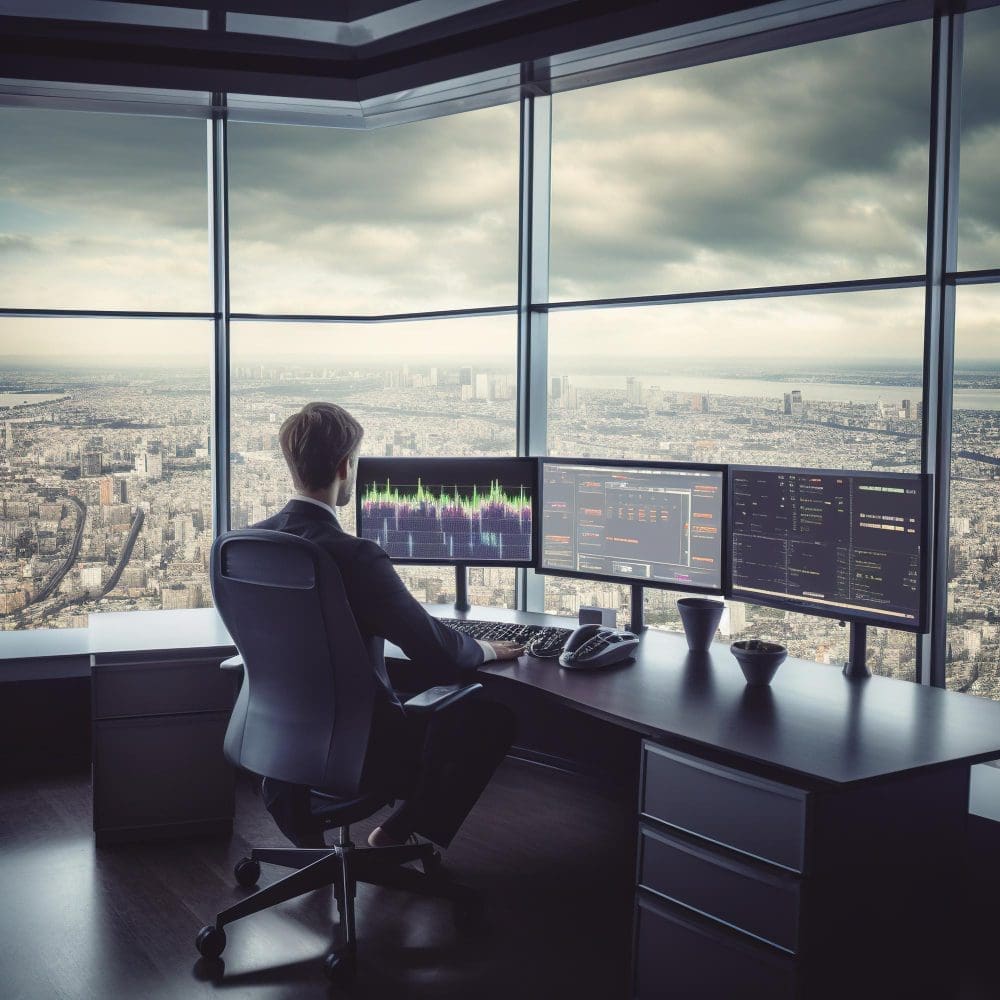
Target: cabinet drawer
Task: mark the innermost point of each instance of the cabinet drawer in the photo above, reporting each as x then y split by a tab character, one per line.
681	956
749	814
161	772
174	687
741	894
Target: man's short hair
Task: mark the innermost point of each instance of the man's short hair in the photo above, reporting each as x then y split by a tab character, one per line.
315	441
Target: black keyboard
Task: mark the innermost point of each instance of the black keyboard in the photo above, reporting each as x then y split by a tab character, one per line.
551	635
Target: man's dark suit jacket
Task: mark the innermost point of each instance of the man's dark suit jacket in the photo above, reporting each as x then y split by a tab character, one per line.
382	606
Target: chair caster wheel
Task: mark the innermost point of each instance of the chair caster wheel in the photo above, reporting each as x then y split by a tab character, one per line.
341	966
211	941
246	872
432	865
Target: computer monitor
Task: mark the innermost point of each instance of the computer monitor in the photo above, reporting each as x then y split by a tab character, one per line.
847	545
449	511
656	524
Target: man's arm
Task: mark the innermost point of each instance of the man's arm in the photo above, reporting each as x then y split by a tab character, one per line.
383	606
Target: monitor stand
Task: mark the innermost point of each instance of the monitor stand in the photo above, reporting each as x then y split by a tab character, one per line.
856	668
461	590
637	622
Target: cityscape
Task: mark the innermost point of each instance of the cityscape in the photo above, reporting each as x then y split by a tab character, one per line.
107	476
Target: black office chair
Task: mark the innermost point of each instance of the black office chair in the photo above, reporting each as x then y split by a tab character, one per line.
305	715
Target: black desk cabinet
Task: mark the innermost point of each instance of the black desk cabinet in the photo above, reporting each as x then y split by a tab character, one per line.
749	886
159	719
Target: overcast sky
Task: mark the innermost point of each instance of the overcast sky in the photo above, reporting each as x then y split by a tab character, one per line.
808	164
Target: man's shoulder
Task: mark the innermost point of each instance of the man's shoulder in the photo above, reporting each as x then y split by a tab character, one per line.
342	546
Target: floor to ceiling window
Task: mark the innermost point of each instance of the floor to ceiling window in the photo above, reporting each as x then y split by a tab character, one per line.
414	219
806	166
104	421
973	581
726	176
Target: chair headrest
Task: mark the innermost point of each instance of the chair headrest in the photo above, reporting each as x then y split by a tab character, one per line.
268	561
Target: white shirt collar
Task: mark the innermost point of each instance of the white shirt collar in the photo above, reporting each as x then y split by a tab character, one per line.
318	503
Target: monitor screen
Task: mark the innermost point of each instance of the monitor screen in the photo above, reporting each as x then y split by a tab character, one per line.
470	511
648	523
845	545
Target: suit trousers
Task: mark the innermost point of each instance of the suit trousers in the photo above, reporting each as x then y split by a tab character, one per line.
445	761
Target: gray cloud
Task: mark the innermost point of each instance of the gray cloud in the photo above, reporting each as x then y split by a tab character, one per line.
807	164
105	211
126	170
419	216
979	204
804	164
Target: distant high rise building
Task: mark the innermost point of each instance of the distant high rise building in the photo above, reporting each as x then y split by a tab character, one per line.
465	376
107	491
8	435
482	386
90	464
149	464
735	622
794	407
633	391
556	390
699	403
433	377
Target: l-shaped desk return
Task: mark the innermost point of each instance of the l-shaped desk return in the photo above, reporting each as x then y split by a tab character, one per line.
793	841
811	721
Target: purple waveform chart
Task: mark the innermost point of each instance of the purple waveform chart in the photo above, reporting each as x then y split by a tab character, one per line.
487	522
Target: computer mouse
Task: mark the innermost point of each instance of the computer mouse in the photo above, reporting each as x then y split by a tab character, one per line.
592	647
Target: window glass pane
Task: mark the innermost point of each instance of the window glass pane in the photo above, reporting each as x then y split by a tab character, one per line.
973	662
825	381
103	212
800	165
104	468
415	217
979	179
444	387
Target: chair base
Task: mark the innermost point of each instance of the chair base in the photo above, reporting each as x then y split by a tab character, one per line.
342	866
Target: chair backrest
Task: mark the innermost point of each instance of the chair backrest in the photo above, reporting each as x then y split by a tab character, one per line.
305	711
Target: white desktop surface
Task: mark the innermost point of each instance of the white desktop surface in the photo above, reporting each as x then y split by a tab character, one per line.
40	654
141	631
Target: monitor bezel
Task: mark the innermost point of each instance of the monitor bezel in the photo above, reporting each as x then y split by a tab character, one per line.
634	464
530	464
920	627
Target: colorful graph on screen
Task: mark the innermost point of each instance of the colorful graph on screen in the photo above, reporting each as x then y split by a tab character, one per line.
448	523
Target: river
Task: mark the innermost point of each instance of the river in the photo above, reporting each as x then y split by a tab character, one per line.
10	400
835	392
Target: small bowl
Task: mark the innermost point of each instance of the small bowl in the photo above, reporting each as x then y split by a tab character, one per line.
759	665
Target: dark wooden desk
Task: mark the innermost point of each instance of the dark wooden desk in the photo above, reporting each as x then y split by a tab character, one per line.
793	841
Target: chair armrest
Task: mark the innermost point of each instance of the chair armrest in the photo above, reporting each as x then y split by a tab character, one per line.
436	699
233	663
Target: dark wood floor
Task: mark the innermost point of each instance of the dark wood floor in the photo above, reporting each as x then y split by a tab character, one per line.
552	853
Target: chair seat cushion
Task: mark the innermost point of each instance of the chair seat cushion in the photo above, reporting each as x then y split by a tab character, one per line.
334	811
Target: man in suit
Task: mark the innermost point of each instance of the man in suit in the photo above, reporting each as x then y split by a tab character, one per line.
457	757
